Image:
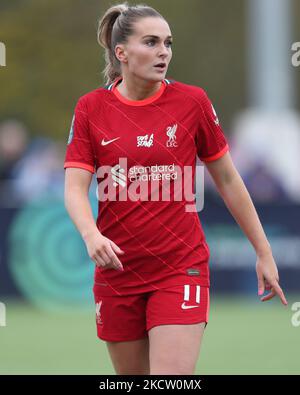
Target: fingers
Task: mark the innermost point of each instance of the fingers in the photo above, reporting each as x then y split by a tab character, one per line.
268	286
110	249
114	259
105	258
269	296
112	253
101	251
109	263
98	260
275	290
116	248
280	293
261	285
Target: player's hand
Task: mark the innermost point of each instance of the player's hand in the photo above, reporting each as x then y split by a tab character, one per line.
103	251
268	278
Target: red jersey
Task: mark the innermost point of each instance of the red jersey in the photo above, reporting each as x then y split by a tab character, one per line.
144	154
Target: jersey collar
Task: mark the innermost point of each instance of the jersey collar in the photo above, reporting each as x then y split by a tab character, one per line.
143	102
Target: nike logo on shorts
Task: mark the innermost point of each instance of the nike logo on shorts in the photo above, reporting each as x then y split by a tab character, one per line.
184	307
103	142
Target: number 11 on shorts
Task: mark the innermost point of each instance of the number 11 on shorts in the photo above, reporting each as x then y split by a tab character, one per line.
187	297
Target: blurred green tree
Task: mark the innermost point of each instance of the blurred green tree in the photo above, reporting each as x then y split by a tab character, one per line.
53	56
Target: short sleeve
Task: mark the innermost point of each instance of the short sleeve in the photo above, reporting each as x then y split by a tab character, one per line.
79	152
210	139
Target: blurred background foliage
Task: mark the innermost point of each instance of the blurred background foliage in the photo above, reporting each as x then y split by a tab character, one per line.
53	56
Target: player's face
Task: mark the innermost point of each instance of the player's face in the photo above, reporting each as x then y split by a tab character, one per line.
148	46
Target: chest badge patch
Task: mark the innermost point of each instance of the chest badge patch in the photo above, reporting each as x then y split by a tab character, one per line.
171	130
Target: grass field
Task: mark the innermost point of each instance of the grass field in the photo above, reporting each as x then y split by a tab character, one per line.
243	337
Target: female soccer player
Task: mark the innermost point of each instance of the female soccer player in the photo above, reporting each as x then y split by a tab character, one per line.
141	134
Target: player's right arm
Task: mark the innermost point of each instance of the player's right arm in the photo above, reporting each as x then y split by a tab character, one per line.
100	249
80	167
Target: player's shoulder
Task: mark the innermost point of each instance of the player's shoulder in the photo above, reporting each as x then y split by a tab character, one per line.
195	92
94	95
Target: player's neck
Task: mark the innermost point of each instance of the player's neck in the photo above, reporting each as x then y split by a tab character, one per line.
137	90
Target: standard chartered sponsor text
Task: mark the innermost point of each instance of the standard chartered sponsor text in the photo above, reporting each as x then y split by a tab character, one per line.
157	182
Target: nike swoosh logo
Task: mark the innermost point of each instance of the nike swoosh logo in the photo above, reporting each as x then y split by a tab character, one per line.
183	306
103	142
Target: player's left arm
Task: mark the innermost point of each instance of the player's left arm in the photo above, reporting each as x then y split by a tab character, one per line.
238	201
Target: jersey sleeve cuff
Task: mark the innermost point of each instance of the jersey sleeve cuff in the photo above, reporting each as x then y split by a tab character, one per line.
80	165
217	155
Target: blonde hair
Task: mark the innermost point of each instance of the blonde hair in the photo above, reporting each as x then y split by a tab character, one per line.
114	27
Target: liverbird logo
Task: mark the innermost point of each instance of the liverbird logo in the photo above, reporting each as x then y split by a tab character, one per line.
171	130
98	313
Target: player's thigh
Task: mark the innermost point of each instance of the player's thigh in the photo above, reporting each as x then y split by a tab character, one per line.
121	322
176	319
130	357
174	349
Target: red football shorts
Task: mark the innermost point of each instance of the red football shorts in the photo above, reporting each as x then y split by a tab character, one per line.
129	317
